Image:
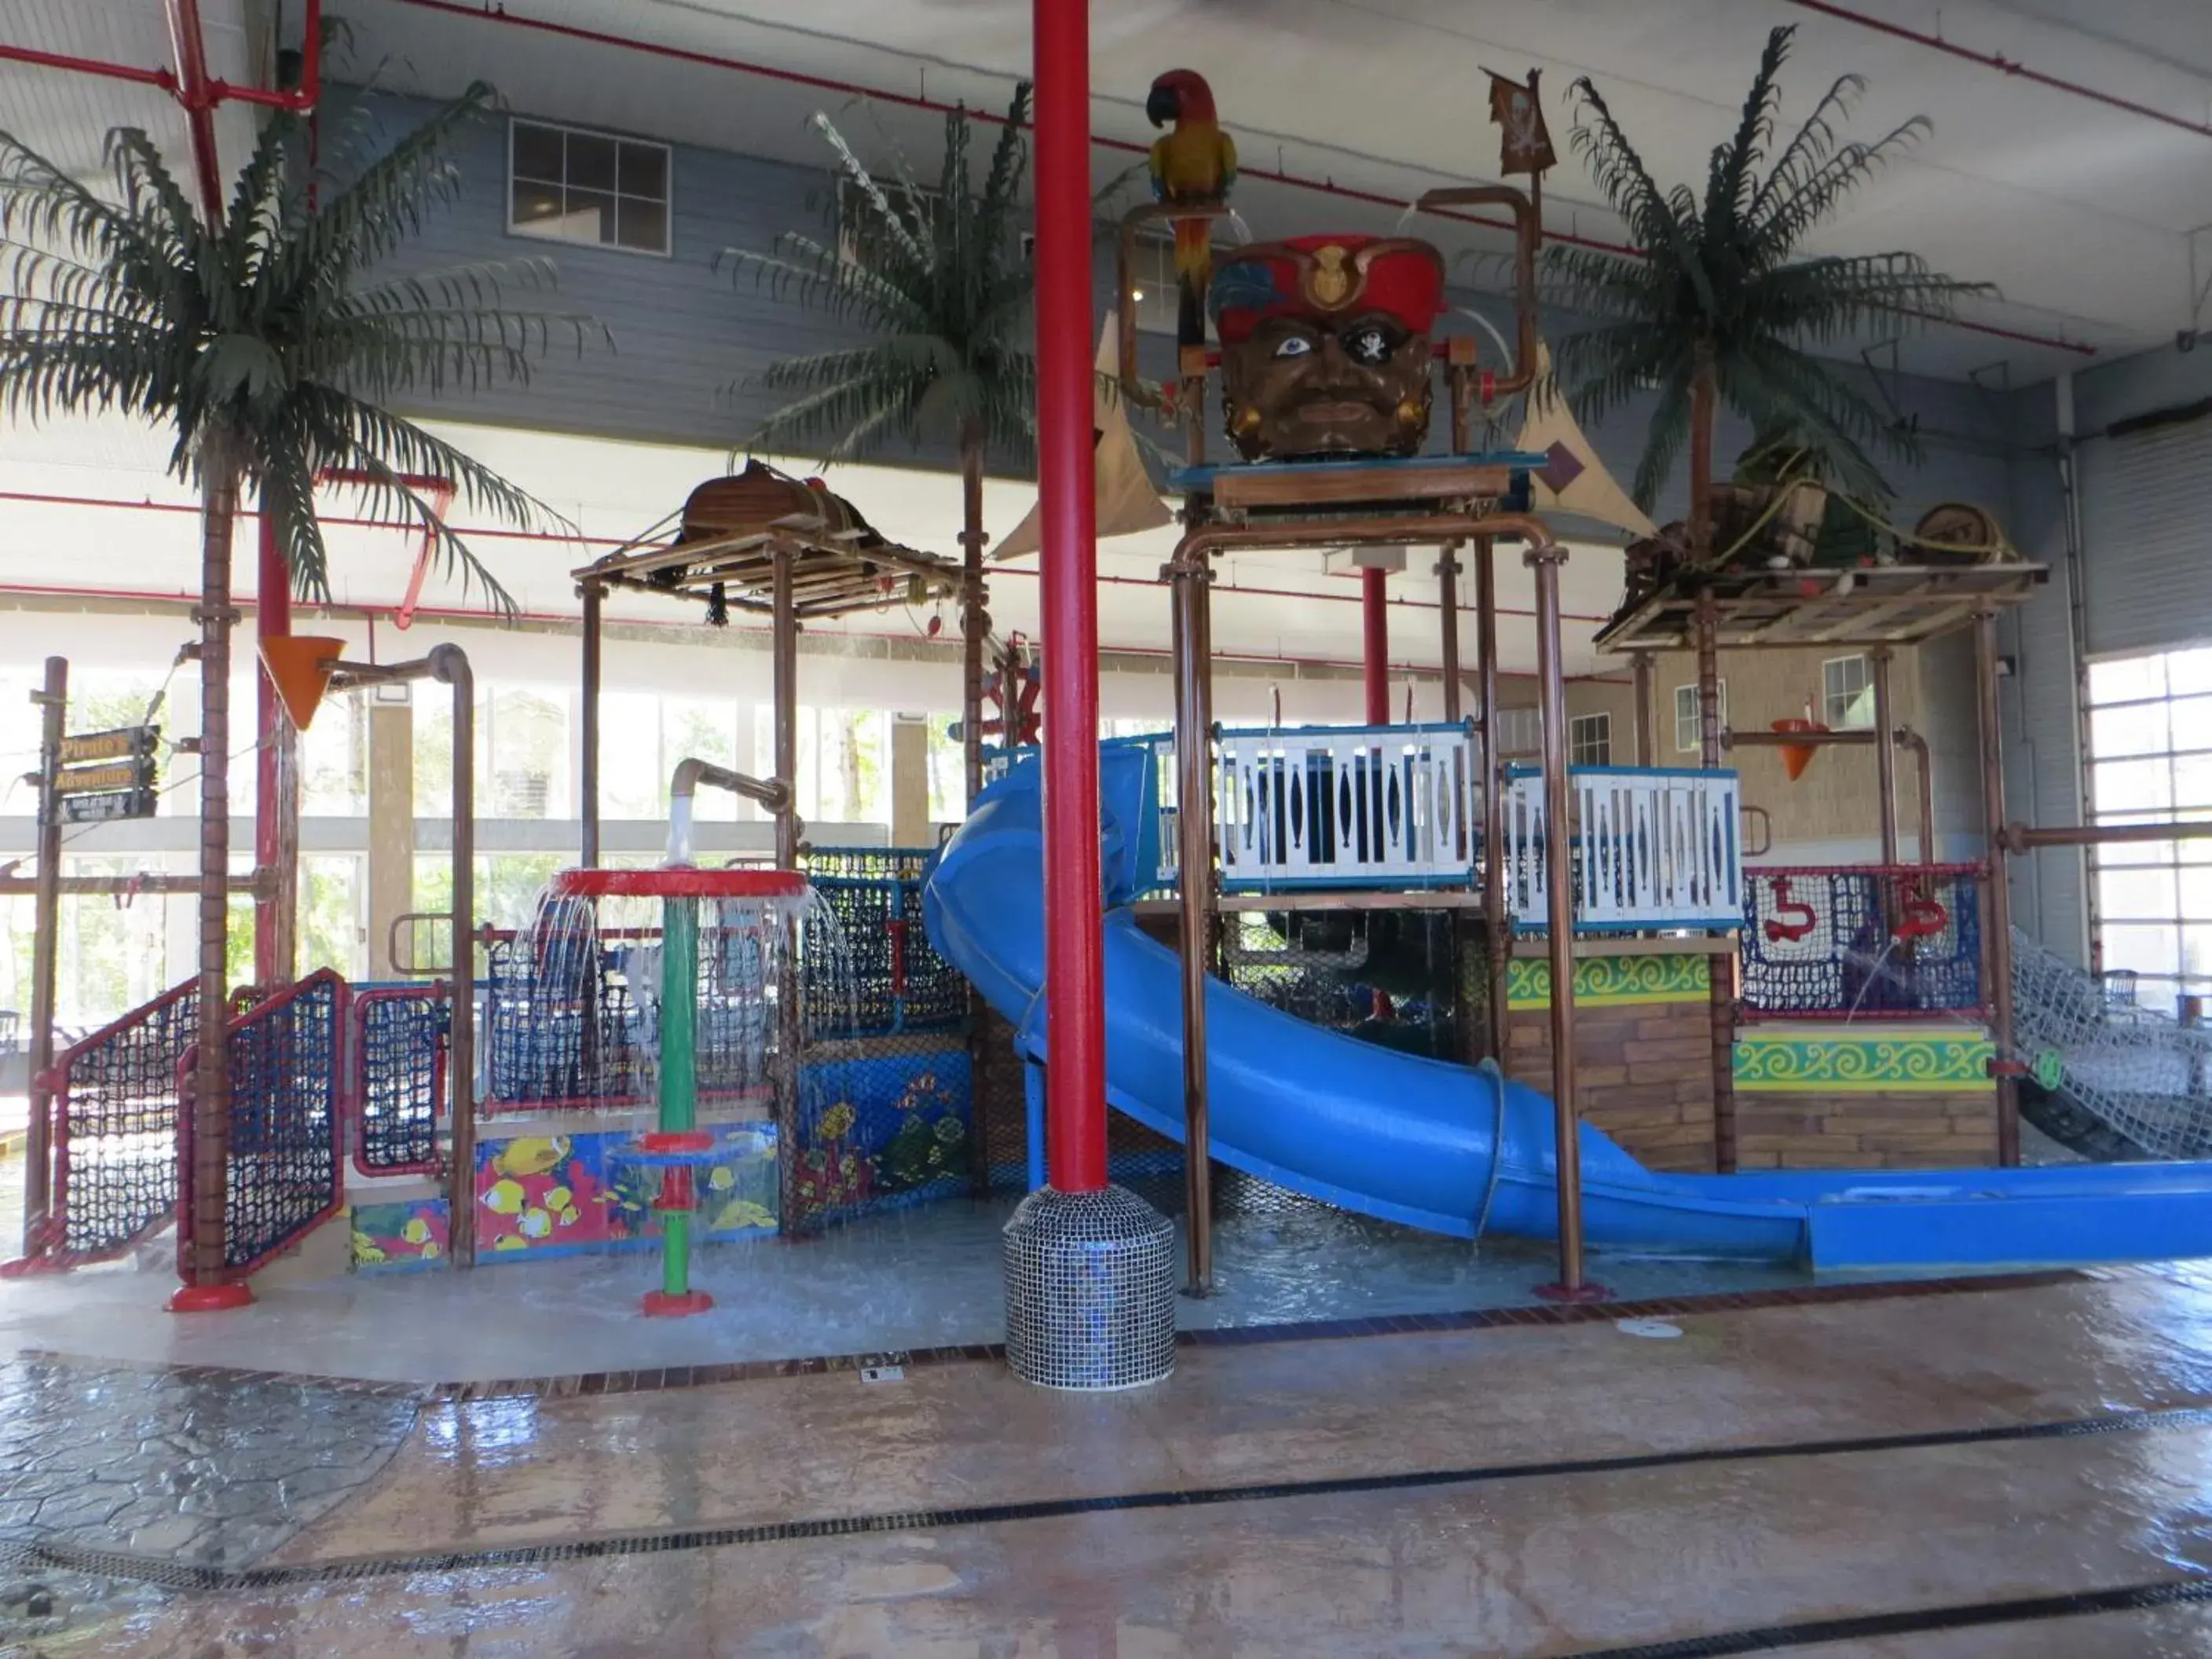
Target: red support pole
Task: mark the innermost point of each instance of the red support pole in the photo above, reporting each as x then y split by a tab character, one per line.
198	95
1075	982
276	803
1374	617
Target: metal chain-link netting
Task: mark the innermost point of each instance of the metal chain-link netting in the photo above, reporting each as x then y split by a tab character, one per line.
401	1038
2141	1074
114	1139
283	1175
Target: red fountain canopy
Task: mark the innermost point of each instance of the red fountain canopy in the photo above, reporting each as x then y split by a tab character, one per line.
679	883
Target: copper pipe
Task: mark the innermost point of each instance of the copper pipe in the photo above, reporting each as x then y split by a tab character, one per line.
1721	991
1646	730
1560	921
1525	231
1997	934
1907	738
2023	838
1497	926
1885	755
1194	870
1448	628
46	952
587	761
790	1032
774	794
449	665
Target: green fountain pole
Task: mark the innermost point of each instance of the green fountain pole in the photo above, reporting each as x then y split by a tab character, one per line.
679	1107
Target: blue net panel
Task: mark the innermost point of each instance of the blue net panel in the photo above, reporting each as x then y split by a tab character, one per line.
890	978
1892	942
401	1042
283	1163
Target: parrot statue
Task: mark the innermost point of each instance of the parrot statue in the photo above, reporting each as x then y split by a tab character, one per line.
1194	161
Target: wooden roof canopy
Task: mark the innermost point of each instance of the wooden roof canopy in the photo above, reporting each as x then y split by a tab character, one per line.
1872	605
731	530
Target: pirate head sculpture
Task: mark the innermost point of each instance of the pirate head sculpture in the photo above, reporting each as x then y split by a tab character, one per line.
1324	345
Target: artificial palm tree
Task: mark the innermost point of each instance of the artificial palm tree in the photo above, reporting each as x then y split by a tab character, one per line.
1724	303
934	277
265	344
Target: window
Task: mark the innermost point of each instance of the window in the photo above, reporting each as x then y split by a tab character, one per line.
572	186
1520	733
2150	753
1589	740
1847	693
1689	739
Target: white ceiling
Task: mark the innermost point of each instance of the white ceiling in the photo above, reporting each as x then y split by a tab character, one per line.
2078	211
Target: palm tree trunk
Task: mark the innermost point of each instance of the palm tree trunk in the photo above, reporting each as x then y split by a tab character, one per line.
1702	400
973	624
211	1075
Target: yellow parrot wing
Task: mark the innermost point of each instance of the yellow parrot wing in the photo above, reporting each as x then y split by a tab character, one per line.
1228	163
1159	169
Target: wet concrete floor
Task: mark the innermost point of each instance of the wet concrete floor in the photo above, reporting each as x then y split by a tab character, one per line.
2014	1470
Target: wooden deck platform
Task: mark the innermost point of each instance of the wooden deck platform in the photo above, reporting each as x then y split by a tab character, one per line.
1878	605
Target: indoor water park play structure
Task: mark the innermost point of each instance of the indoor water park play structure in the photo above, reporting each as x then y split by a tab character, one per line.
1390	967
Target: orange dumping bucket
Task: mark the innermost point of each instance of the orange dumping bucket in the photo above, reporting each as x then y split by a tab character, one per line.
1796	757
299	666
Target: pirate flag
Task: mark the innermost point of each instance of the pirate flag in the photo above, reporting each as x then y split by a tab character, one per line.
1524	141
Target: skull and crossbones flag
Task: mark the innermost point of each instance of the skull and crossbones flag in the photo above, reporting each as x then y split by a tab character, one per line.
1525	144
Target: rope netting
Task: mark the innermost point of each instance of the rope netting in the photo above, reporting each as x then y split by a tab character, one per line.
113	1125
892	980
1863	942
283	1165
2138	1072
400	1045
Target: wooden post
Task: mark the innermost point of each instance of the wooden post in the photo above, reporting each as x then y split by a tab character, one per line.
791	1032
1722	973
1997	921
1546	559
52	701
1497	926
1885	753
1448	628
1647	743
1194	876
450	665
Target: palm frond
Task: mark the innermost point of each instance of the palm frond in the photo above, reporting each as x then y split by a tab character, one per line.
1719	281
260	338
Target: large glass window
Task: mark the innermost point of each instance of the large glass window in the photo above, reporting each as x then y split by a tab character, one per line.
1689	735
1847	693
2150	751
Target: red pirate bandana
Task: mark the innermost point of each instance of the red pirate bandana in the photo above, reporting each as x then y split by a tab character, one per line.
1326	277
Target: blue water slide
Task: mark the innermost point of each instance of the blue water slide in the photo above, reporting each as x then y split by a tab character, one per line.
1462	1152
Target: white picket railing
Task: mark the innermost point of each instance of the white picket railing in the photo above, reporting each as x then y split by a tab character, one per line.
1346	806
1652	848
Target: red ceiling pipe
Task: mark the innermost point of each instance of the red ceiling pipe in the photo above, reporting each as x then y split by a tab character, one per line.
144	77
196	91
2005	65
1075	977
909	100
1375	626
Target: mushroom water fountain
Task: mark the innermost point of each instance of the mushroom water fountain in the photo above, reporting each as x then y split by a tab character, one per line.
759	907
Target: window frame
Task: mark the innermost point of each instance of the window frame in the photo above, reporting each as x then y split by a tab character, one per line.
1828	694
1600	723
521	228
1696	744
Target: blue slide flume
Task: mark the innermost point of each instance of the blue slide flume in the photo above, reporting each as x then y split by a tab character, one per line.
1458	1150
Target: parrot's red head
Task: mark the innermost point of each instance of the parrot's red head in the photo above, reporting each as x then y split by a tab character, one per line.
1179	95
